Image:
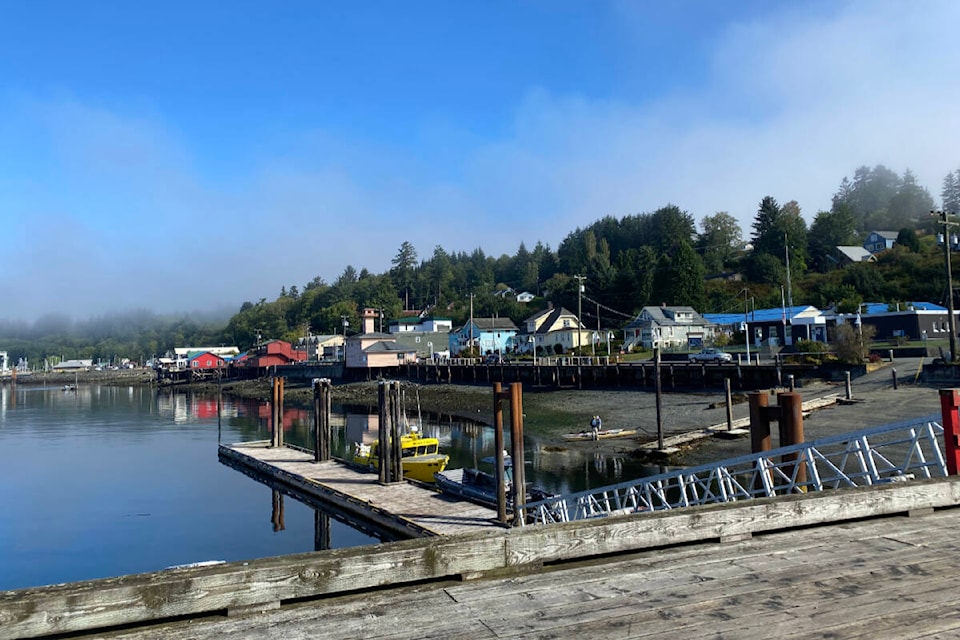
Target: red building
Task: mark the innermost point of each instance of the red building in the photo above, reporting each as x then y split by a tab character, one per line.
205	360
274	352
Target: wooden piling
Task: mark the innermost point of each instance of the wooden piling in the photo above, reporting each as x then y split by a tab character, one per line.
321	418
516	432
759	422
726	388
279	411
383	448
499	471
791	432
396	425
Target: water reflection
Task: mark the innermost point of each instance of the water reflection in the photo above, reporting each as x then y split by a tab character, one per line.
556	468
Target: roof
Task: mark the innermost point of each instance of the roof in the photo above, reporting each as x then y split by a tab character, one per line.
385	347
774	314
855	253
494	324
657	316
884	307
889	235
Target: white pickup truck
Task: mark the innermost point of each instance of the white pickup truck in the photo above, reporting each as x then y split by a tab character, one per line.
711	354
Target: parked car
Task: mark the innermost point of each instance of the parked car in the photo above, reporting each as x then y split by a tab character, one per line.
711	354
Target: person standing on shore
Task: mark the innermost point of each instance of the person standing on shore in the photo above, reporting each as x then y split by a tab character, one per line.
595	424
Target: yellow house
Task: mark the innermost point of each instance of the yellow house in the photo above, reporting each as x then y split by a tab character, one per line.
551	327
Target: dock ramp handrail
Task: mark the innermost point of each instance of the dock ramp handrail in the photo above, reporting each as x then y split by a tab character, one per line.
892	453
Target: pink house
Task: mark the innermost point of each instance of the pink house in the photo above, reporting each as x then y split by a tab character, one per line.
372	350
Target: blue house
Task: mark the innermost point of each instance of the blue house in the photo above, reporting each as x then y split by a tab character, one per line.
879	241
489	335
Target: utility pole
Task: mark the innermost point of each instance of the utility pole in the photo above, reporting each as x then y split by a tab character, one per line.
579	280
786	250
946	253
593	343
746	326
471	322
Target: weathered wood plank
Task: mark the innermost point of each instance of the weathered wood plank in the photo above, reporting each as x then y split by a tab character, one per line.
131	599
114	601
622	533
765	604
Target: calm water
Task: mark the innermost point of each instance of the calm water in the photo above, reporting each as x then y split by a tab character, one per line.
106	481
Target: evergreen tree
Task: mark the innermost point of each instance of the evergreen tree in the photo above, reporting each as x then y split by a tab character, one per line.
829	230
720	240
950	193
402	271
686	279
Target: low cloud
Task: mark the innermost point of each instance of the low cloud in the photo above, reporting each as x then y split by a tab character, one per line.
119	214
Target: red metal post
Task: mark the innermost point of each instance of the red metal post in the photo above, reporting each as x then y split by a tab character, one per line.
949	402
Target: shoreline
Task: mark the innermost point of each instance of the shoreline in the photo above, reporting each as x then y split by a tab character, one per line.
550	414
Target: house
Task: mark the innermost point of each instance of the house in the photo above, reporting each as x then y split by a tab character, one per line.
525	297
553	330
181	355
204	360
878	241
666	328
274	353
849	254
910	320
421	325
489	335
325	347
372	349
74	365
776	326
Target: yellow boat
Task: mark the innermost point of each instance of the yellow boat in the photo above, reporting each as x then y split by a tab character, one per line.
420	456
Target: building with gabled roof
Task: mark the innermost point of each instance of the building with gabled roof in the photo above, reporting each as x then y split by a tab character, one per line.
553	329
489	335
667	327
847	254
877	241
374	349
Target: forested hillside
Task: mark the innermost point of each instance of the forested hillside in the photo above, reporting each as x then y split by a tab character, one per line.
623	263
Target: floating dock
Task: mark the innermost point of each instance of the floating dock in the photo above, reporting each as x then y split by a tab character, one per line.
407	509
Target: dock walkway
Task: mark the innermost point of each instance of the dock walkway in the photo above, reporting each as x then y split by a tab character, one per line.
893	577
403	507
870	562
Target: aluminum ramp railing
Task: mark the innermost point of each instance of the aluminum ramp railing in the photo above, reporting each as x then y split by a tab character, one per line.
891	453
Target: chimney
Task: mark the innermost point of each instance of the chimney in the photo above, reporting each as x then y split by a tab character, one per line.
369	320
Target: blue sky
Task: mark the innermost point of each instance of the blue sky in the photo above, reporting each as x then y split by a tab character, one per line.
193	155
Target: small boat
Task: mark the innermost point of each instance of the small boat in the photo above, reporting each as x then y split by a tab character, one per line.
602	433
420	456
481	487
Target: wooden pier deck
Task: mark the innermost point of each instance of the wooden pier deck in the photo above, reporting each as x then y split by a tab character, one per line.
404	508
872	562
890	578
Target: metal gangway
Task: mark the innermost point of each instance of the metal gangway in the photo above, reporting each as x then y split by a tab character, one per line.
895	452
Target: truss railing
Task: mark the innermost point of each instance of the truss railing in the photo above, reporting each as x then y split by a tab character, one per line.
891	453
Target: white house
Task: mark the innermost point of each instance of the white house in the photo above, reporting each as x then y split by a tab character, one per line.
666	327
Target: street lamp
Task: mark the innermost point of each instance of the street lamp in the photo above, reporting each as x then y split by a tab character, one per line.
946	253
